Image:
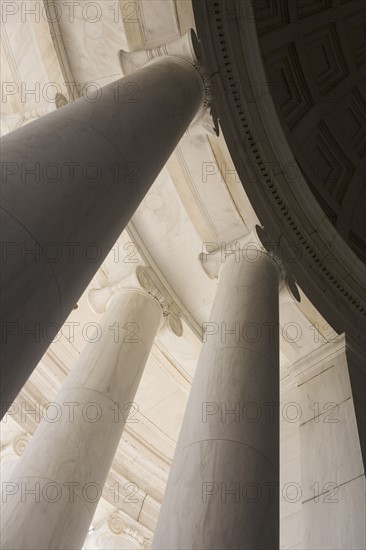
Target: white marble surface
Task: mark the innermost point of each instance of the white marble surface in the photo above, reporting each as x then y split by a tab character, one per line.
291	531
174	244
79	447
102	124
223	453
92	36
31	74
332	471
97	62
320	391
330	451
339	524
290	467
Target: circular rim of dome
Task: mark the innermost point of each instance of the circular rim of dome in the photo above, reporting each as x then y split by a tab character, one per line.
319	259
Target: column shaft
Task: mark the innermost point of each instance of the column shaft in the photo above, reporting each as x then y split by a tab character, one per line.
222	490
70	183
51	496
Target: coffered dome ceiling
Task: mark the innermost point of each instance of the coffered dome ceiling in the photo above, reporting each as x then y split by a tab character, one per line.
290	98
313	53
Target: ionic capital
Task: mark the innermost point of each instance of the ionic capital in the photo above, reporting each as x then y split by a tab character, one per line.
249	248
187	49
117	526
20	442
141	279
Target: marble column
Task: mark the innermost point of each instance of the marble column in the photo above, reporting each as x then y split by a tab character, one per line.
50	499
71	181
222	491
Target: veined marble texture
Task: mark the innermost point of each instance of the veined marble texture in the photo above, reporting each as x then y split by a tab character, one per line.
78	454
174	244
93	33
32	71
199	509
171	230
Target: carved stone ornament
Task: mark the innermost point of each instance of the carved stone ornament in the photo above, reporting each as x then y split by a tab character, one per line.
118	527
187	48
142	278
20	442
249	246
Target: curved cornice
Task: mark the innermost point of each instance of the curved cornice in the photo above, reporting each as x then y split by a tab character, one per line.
318	258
